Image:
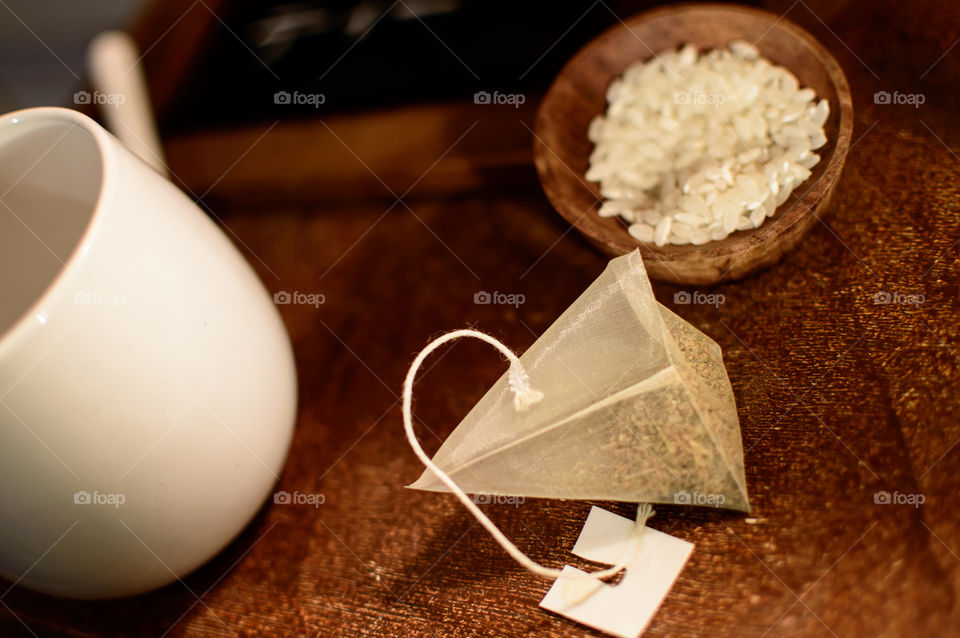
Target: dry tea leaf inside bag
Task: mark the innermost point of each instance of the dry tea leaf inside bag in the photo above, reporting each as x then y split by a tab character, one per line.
636	407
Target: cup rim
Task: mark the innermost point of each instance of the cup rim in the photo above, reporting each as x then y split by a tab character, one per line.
25	324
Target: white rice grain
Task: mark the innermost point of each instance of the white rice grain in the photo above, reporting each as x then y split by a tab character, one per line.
696	146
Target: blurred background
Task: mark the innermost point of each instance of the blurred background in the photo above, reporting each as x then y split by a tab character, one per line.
42	46
217	64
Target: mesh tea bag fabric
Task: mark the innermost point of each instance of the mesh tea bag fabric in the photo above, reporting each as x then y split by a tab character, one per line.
636	407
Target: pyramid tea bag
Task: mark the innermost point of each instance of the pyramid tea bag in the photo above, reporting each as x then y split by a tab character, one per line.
636	406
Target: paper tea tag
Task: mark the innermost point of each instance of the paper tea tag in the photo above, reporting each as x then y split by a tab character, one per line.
624	609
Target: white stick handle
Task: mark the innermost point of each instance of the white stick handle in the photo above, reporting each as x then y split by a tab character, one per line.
122	97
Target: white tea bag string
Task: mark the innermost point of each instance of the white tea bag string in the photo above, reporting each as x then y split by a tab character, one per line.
523	397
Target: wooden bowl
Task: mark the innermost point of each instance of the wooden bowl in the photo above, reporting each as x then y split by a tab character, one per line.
561	147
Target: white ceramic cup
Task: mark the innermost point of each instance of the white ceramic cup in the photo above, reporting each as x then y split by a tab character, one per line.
147	386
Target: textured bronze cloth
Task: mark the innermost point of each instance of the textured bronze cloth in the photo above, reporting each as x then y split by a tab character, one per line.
839	398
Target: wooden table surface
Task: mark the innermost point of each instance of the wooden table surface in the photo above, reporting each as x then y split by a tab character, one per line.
400	217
